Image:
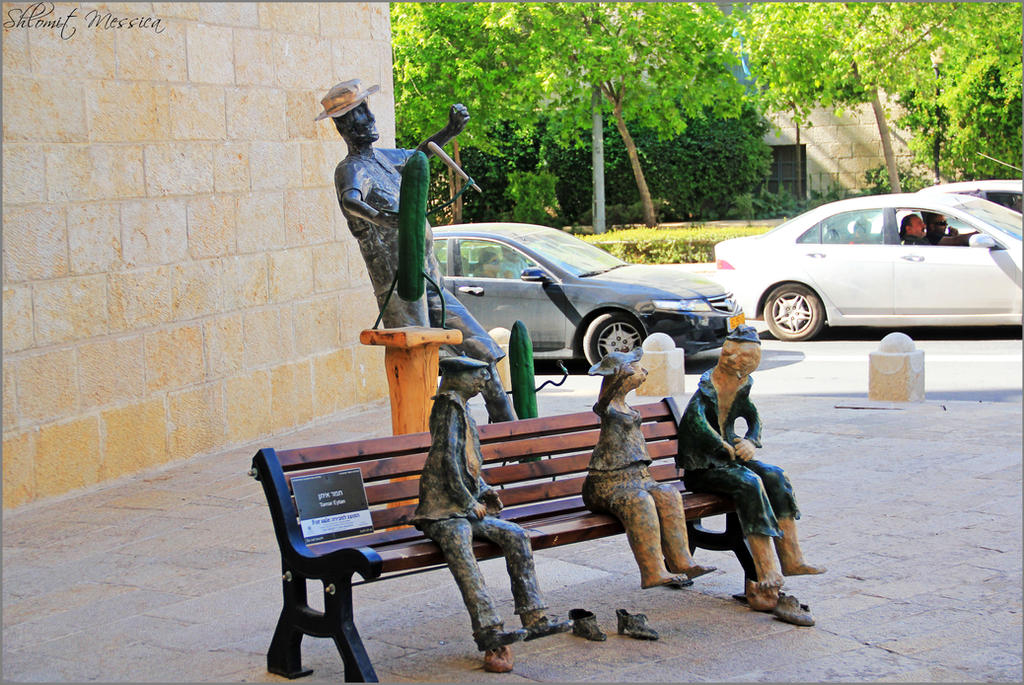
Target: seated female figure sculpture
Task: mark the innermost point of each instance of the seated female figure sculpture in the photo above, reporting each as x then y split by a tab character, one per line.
717	460
618	481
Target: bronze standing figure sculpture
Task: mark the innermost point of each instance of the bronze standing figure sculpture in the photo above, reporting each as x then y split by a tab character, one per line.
368	181
718	460
456	505
618	481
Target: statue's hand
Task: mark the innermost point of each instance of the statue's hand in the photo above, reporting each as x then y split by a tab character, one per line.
744	449
386	219
458	117
479	510
491	501
728	448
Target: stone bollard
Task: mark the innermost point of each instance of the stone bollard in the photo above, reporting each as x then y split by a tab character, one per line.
665	367
896	372
502	336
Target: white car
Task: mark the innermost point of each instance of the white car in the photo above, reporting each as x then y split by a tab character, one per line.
842	264
1006	193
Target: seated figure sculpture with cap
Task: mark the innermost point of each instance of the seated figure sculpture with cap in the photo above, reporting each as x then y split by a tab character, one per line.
717	460
456	505
368	182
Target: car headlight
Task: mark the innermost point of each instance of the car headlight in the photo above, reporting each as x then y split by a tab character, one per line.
694	305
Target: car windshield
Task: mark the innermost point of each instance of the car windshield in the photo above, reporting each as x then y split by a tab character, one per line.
997	216
572	254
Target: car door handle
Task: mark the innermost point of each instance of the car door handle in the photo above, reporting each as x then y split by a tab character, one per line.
471	290
912	258
816	255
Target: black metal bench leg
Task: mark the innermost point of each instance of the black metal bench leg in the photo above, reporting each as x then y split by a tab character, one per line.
338	616
731	539
284	657
738	545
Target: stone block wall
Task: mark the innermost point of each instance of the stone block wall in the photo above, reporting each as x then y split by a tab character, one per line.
840	148
177	275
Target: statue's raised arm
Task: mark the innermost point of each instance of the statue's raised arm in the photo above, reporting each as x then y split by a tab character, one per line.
458	117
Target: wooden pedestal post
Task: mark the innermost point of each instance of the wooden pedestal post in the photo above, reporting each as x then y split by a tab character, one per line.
410	358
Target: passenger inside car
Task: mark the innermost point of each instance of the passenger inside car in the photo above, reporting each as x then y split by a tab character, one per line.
939	232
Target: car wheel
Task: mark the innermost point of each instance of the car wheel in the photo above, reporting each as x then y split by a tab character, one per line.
611	333
794	312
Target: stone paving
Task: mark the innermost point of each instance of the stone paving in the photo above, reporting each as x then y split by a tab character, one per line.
173	575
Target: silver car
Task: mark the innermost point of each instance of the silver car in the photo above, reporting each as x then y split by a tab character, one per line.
842	264
1003	192
575	299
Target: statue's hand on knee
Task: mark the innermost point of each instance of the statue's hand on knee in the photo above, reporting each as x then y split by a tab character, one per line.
744	449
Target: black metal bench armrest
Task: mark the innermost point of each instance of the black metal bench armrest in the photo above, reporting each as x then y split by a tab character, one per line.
294	550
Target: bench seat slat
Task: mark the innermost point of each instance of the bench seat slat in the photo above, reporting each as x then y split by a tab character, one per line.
496	476
559	528
519	494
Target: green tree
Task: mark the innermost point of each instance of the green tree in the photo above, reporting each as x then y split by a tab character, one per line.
842	54
456	52
655	64
968	109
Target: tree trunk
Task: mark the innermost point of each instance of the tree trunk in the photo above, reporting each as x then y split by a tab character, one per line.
883	132
597	162
634	162
799	166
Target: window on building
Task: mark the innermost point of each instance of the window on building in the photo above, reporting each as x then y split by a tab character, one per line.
789	169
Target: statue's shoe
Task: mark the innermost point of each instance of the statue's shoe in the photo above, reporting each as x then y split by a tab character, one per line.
790	610
493	638
635	626
547	625
584	624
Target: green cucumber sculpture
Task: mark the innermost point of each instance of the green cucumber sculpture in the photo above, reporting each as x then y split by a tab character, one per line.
412	221
520	359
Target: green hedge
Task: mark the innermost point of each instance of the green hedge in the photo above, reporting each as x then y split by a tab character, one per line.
669	245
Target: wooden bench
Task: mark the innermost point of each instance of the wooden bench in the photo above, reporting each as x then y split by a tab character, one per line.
542	496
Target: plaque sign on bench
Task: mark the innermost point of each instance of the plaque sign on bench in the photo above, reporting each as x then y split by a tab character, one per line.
332	505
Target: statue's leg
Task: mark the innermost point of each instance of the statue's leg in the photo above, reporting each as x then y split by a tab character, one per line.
476	343
455	538
499	406
638	513
754	510
522	573
790	555
674	543
780	493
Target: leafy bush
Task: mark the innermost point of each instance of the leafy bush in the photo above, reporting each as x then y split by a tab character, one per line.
877	180
533	197
669	246
695	175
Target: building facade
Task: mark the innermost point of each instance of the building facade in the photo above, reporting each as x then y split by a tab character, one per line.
177	275
834	150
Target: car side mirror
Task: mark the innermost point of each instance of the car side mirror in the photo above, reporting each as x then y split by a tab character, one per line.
534	274
981	240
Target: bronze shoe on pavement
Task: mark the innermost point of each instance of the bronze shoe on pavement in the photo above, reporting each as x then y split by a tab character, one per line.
790	610
635	626
584	624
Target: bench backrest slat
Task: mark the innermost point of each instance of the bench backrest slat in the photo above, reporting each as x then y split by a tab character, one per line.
391	466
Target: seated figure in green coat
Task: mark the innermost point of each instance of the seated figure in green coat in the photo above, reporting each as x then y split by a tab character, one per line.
717	460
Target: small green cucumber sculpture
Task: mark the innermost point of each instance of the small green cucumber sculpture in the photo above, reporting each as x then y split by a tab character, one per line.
412	220
520	359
